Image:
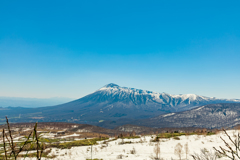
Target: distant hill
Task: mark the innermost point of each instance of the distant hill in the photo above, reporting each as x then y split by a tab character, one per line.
208	116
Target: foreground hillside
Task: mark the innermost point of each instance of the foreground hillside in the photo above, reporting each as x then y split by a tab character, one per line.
143	148
69	141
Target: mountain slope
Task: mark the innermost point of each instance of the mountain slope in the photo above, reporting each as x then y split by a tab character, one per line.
112	102
113	105
164	101
208	116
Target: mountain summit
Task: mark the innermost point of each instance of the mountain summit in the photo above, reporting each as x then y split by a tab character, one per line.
111	85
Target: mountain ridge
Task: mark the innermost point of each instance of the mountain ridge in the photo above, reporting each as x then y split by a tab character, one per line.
162	97
207	116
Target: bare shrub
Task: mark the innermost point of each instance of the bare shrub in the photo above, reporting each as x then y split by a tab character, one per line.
122	142
15	149
176	138
70	154
133	151
186	149
120	156
178	150
95	150
157	151
230	152
144	139
205	155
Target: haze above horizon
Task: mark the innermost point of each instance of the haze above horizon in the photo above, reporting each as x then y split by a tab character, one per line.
71	49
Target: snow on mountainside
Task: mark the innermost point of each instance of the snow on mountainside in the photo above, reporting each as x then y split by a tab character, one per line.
209	116
112	105
124	91
176	102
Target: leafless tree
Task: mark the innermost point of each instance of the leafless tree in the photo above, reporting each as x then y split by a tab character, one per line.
157	151
178	150
133	151
186	149
232	148
205	155
10	147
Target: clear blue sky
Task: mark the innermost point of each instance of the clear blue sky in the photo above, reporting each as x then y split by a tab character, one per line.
72	48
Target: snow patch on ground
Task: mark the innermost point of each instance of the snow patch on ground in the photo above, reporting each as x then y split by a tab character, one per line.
170	114
144	148
199	108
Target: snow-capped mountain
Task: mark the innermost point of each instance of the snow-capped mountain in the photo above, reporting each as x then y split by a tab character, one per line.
163	100
113	105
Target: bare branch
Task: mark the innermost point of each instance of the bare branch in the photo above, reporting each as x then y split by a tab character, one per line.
11	138
37	141
21	148
230	150
4	144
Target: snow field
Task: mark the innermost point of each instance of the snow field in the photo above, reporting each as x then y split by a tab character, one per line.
144	148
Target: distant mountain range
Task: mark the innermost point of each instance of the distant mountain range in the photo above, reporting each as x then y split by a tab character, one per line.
113	105
32	102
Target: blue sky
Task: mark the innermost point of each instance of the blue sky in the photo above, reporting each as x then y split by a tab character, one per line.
72	48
